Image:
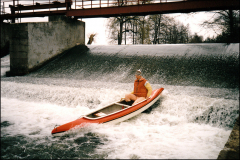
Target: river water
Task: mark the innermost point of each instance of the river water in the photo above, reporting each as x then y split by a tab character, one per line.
193	118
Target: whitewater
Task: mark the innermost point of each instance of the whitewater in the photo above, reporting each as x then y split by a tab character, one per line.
192	120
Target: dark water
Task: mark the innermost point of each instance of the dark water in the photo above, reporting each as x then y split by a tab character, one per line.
192	119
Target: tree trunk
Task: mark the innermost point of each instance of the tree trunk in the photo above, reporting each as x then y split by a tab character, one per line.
231	23
143	31
133	32
159	28
125	34
155	31
120	32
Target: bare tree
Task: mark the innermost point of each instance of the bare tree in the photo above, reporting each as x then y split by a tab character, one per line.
153	29
116	27
155	21
196	39
225	23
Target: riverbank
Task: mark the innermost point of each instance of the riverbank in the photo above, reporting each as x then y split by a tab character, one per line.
231	148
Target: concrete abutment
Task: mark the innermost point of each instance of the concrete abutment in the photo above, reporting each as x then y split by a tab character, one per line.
33	44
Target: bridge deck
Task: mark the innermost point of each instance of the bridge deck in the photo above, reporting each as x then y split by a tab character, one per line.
110	8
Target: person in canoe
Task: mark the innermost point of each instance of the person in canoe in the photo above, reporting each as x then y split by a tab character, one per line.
142	89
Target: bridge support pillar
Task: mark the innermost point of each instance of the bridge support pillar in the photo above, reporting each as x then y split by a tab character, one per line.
33	44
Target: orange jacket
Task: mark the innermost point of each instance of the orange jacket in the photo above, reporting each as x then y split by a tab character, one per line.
139	88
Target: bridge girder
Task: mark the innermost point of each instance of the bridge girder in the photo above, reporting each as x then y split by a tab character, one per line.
157	8
146	9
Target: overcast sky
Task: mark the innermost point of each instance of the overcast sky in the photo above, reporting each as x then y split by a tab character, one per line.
98	25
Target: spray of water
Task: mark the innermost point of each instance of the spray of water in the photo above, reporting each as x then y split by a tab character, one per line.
189	121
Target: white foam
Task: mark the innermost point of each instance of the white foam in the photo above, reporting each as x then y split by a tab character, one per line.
30	117
169	131
157	141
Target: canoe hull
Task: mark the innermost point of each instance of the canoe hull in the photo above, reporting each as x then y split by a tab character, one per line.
113	118
132	114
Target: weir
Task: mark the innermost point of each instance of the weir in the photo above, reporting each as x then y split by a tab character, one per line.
193	118
33	44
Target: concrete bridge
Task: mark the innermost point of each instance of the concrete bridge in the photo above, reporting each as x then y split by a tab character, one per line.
33	44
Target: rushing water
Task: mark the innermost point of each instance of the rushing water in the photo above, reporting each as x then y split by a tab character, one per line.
192	119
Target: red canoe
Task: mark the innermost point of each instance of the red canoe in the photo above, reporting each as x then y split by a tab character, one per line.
113	113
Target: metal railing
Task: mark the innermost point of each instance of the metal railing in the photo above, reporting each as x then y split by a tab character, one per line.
21	6
86	4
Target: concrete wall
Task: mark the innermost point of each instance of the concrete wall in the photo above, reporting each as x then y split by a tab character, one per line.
33	44
19	49
231	148
5	38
